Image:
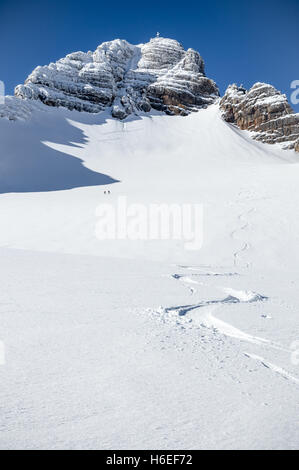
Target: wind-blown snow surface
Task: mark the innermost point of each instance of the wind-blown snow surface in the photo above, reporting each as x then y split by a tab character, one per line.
126	344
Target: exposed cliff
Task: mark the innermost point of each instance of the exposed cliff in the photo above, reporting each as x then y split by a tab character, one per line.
264	111
159	74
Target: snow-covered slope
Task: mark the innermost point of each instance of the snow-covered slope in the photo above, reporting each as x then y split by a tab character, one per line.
142	344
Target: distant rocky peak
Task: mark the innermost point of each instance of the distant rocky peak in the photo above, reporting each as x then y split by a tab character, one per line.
159	74
263	110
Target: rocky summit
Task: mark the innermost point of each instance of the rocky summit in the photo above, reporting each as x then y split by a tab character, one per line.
264	111
159	74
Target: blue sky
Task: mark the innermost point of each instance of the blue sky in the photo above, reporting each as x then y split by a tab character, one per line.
240	41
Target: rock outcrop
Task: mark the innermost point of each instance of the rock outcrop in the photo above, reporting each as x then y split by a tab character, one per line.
159	74
264	111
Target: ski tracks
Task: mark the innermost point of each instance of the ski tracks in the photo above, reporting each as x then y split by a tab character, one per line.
234	234
203	314
238	234
276	369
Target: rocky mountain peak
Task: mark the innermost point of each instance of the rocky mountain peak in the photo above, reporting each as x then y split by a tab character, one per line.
264	111
159	74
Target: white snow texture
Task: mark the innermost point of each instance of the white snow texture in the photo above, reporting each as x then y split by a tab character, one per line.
122	344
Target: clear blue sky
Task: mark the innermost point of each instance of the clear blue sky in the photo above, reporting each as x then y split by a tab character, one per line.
240	41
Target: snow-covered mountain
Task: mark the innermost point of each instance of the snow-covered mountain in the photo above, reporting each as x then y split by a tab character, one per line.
159	74
142	344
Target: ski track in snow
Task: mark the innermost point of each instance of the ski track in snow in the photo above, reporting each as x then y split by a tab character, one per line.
186	280
193	278
243	196
278	370
244	226
201	314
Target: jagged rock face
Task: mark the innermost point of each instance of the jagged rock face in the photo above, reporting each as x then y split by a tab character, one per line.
159	75
180	83
263	110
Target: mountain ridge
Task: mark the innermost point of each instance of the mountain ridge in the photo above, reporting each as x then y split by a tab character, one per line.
158	75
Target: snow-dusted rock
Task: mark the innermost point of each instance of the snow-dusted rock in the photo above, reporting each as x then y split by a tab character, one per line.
180	83
264	111
159	74
14	108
